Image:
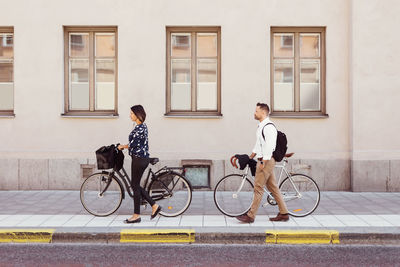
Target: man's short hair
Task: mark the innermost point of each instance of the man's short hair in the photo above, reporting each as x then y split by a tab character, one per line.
264	107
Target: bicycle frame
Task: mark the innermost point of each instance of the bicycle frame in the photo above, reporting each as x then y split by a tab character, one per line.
126	179
283	170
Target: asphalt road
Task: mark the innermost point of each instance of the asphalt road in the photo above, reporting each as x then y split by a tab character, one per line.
197	255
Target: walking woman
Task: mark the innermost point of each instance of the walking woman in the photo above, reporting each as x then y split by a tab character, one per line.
139	151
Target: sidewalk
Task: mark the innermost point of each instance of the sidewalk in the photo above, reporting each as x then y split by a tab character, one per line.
364	217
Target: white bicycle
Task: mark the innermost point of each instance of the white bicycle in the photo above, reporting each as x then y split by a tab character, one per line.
233	194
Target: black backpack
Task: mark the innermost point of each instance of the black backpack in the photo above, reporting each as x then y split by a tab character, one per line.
281	144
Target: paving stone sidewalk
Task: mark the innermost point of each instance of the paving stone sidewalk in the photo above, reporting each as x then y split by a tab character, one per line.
62	209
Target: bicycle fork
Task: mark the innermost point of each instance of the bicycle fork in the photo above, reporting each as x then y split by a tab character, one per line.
235	195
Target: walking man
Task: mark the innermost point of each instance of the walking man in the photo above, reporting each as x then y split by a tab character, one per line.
262	151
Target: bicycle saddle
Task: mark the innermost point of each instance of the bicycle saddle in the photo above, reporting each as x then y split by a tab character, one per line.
289	155
154	161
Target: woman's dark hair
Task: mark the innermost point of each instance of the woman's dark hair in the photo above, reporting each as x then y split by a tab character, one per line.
139	112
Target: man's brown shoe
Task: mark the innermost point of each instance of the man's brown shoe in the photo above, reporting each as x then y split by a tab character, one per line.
280	218
245	218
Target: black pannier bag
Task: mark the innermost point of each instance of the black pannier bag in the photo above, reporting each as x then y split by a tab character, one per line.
109	157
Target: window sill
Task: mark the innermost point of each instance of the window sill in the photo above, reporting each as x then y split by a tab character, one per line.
94	116
299	116
193	116
7	115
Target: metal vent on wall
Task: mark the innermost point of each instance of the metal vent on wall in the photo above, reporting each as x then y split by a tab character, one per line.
87	170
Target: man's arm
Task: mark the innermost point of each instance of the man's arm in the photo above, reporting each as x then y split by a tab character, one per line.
252	155
270	134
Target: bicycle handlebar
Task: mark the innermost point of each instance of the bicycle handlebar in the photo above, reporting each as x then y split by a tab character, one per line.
233	162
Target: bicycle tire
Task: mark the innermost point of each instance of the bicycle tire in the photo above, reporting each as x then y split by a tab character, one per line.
172	191
309	191
227	201
97	203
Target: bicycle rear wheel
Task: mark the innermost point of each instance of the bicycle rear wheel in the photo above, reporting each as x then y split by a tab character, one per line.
172	192
301	194
233	195
101	194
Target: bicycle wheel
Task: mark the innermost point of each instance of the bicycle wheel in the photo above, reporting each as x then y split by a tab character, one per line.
101	194
233	195
172	192
301	194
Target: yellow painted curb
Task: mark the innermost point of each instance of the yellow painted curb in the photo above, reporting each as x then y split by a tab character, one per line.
26	235
302	237
160	235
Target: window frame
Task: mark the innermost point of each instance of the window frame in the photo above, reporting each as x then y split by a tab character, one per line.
193	30
296	31
91	30
10	112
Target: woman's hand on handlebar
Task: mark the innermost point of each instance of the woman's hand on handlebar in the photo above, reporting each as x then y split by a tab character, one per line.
121	147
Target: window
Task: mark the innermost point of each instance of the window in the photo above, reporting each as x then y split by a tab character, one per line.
90	70
298	71
193	71
198	172
6	71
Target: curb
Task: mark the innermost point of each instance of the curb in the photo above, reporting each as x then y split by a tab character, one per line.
302	237
26	235
157	236
189	236
370	238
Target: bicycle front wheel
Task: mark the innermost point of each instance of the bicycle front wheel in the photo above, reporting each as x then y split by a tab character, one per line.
172	192
101	194
301	194
233	195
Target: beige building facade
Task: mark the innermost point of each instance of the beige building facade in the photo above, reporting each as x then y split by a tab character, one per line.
328	69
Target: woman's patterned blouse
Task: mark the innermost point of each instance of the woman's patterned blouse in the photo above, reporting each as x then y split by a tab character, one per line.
138	141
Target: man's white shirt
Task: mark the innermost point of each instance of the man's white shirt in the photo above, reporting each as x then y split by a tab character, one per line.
265	148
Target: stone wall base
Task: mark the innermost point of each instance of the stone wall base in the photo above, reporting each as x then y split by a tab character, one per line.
330	175
375	175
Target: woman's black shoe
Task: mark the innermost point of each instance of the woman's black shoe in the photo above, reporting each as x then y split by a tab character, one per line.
155	213
138	220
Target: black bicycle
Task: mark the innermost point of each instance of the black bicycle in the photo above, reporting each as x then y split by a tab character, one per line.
102	193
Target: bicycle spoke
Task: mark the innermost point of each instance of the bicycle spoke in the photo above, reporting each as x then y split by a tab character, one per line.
233	195
301	194
100	194
172	192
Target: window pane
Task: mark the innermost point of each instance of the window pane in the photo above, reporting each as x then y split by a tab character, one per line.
105	84
180	45
6	96
6	71
283	85
6	46
309	85
206	44
79	70
79	45
309	45
207	84
283	45
105	44
197	176
180	84
79	84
